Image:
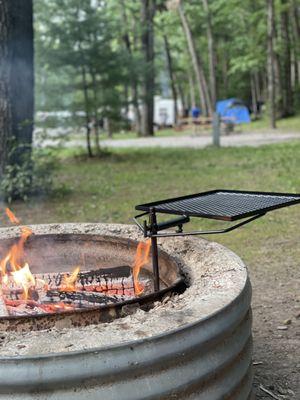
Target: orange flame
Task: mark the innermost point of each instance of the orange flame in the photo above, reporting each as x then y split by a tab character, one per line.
19	270
16	252
141	258
24	278
69	281
13	219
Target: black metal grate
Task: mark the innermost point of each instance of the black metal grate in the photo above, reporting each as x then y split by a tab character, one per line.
226	205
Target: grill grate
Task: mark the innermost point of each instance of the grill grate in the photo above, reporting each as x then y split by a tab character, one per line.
225	205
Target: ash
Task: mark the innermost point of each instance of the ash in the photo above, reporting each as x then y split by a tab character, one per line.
215	276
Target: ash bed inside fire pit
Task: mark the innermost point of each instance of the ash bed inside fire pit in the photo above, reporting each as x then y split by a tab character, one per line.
189	346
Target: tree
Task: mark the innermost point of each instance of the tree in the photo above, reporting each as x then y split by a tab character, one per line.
148	8
109	67
16	82
197	63
78	39
132	70
211	53
271	61
171	75
287	94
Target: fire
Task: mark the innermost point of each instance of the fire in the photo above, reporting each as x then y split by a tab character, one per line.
12	216
24	278
141	258
69	281
23	293
13	263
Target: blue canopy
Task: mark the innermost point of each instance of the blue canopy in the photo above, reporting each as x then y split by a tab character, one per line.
234	110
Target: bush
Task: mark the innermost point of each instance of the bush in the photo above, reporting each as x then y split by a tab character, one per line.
33	176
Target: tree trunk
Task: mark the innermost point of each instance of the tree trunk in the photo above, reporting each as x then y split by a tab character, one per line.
296	21
253	95
287	95
277	82
171	76
197	63
133	77
16	81
184	103
295	17
148	86
96	116
225	67
295	70
211	54
5	101
192	90
271	62
258	88
87	112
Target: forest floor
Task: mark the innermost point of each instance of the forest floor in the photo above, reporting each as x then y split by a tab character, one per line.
107	189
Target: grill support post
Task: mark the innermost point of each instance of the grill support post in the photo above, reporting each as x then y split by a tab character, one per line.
154	251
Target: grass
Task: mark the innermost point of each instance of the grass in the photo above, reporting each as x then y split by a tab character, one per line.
106	190
290	124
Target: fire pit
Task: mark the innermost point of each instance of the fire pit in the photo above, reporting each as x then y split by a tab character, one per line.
195	342
110	277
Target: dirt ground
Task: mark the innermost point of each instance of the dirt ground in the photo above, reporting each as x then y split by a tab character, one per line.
276	321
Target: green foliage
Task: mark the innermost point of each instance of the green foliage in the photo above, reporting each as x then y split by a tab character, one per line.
74	37
33	177
80	67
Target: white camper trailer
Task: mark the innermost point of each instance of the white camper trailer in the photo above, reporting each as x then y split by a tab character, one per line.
164	111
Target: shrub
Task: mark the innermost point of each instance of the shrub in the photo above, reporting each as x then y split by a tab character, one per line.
33	176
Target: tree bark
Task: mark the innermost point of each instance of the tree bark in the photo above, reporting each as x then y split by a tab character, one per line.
192	90
295	17
253	95
171	76
96	116
287	94
16	81
148	87
271	62
184	102
133	77
258	88
5	101
197	63
211	54
296	20
87	112
225	67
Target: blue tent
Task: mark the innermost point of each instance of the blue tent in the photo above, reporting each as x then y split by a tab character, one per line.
234	110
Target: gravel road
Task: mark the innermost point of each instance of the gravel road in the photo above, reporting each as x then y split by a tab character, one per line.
195	142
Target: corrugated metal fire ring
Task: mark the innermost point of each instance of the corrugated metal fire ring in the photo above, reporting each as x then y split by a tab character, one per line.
209	359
